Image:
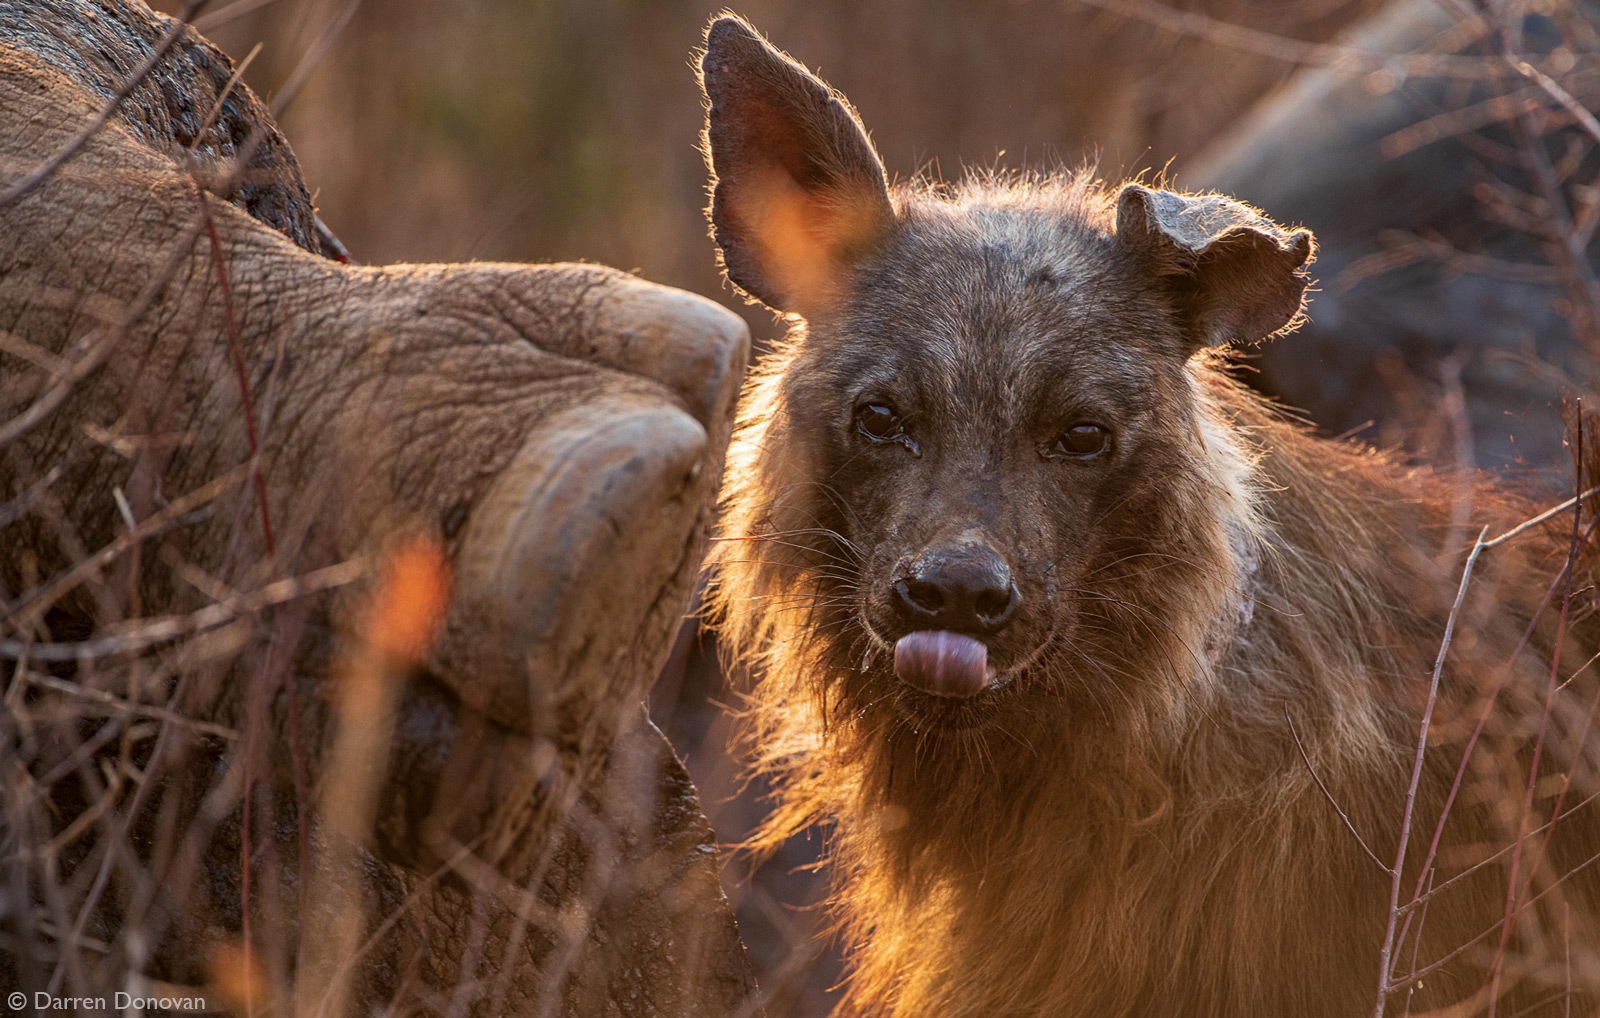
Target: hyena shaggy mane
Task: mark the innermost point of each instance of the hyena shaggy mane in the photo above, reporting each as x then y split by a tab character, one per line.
1081	649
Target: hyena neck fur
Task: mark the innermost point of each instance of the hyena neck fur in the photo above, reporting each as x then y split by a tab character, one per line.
956	899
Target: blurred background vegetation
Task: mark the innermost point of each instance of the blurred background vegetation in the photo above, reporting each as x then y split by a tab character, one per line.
536	130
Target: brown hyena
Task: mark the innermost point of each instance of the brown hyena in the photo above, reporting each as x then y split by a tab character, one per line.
1082	649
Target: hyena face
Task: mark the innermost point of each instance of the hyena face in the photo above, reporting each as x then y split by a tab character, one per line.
990	400
984	403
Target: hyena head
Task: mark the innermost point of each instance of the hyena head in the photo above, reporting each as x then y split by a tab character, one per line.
989	473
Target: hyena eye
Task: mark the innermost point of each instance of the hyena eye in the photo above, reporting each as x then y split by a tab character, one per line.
1082	441
879	423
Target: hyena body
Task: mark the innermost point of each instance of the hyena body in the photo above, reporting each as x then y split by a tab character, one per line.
1080	647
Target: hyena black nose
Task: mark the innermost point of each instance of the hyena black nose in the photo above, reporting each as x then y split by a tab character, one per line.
966	589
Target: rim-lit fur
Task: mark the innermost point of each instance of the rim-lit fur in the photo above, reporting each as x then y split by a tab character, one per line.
1213	613
1132	830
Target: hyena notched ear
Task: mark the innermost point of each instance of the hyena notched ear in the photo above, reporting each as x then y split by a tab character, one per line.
798	191
1233	274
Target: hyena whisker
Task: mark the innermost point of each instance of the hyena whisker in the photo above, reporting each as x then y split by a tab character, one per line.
839	502
1100	667
820	572
1027	746
1138	611
1112	509
1169	562
849	461
815	605
872	705
806	566
807	549
1100	597
831	623
799	532
821	530
812	607
902	722
1112	564
831	492
793	595
980	749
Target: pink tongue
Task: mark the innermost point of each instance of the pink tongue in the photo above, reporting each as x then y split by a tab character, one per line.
942	663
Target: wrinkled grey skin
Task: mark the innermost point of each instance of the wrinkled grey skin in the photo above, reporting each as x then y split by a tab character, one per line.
559	430
1311	153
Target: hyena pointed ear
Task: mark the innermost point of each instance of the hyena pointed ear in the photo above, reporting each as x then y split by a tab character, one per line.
1233	273
798	192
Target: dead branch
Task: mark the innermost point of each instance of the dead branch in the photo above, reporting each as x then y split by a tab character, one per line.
1293	51
1416	779
142	634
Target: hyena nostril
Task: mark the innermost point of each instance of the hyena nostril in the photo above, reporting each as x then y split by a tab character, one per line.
920	595
964	591
995	606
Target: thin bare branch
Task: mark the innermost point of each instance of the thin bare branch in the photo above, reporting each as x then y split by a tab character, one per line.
1535	521
1387	949
18	347
147	633
79	691
208	23
1580	113
1292	51
35	603
313	57
1454	123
